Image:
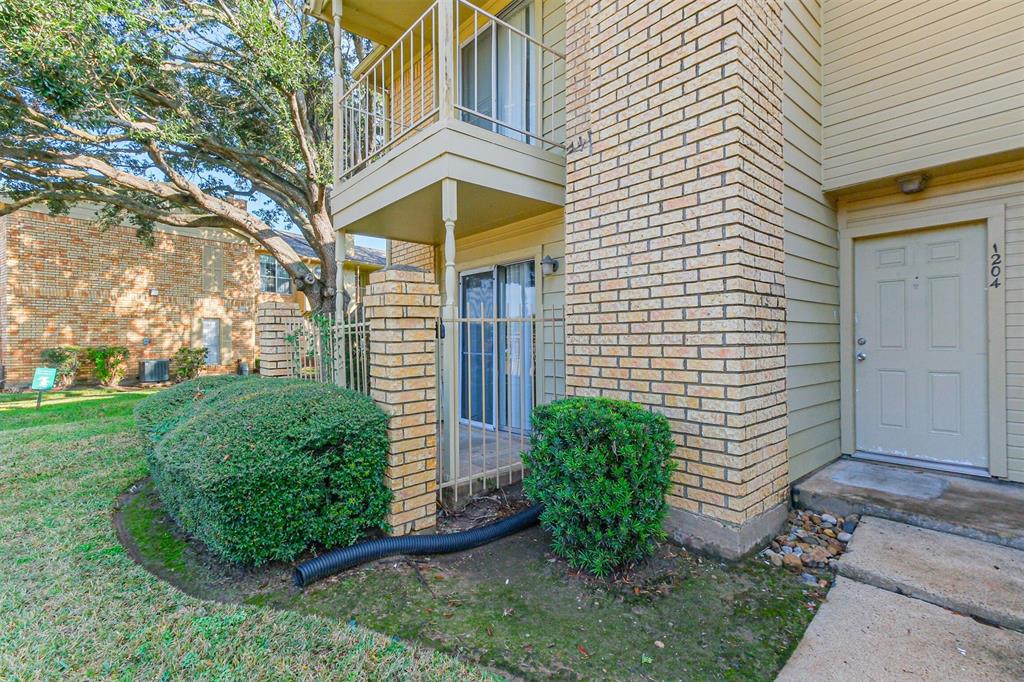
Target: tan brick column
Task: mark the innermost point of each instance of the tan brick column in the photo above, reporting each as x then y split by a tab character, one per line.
274	321
401	307
674	283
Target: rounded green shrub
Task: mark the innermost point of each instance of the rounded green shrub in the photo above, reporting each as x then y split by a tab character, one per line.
66	360
262	469
601	468
188	363
109	364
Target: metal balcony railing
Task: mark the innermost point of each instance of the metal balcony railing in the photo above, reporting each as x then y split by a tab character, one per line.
458	62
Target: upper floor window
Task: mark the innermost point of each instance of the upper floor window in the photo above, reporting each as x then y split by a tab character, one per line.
274	278
213	268
498	83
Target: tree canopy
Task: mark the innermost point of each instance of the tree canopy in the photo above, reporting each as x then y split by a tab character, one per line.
213	113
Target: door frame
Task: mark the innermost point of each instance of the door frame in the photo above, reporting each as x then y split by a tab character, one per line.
993	216
460	313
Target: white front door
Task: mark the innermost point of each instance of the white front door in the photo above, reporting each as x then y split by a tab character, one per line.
920	342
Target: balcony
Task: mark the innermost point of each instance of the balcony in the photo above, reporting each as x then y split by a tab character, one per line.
460	117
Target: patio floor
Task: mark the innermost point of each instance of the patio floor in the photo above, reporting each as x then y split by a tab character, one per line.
488	459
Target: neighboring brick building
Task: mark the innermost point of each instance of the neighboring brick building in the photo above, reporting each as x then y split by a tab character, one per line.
67	281
793	228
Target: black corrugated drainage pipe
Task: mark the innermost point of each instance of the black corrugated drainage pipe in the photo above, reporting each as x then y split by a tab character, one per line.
308	572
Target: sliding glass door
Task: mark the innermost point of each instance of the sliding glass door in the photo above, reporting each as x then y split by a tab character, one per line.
496	354
497	79
477	341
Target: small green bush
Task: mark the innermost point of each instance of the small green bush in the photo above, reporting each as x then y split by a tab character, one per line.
261	469
110	363
601	468
66	360
188	363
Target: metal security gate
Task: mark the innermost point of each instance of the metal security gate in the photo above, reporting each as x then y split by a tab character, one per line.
505	366
332	352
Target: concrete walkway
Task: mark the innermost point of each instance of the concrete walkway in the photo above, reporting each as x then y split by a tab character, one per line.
917	604
864	633
979	579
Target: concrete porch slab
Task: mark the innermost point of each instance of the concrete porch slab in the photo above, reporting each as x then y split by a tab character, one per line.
968	576
866	633
990	511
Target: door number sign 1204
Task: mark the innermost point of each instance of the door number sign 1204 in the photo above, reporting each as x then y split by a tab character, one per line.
996	270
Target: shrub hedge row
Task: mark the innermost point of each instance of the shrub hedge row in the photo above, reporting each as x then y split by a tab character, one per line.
261	469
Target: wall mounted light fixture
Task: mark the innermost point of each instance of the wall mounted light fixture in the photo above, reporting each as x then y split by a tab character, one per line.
912	184
549	265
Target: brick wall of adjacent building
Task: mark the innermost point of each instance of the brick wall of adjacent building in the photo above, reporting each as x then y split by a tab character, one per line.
3	288
417	255
67	281
674	284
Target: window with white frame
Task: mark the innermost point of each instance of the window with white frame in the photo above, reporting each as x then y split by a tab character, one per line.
274	278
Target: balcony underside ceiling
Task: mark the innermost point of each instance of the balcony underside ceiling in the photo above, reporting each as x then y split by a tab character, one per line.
499	181
382	21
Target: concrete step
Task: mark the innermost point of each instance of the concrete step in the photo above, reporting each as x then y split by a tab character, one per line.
971	577
866	633
991	511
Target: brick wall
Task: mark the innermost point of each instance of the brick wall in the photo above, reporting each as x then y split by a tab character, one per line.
674	284
401	310
69	282
417	255
3	289
275	320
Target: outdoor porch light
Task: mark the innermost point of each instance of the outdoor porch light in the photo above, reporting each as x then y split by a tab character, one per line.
912	184
549	265
154	292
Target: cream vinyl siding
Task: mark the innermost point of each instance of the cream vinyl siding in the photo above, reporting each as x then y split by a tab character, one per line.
811	245
1002	186
913	85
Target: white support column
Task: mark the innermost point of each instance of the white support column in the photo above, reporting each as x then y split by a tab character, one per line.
446	21
449	315
340	252
337	86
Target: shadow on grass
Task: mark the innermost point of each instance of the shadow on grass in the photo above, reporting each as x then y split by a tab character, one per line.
70	407
513	606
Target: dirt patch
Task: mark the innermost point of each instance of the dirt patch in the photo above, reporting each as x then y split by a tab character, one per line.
514	606
156	542
484	509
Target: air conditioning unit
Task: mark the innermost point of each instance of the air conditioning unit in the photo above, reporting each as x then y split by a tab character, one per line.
154	371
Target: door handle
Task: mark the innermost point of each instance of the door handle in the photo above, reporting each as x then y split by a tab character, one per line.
861	357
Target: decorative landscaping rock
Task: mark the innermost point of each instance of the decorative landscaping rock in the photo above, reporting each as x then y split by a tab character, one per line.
811	543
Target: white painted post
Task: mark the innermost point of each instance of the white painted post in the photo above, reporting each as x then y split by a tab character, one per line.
449	315
446	23
337	86
340	251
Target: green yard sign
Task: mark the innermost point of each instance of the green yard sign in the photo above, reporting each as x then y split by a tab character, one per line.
43	380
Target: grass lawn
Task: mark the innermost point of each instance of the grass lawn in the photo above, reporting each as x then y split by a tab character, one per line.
512	606
73	605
